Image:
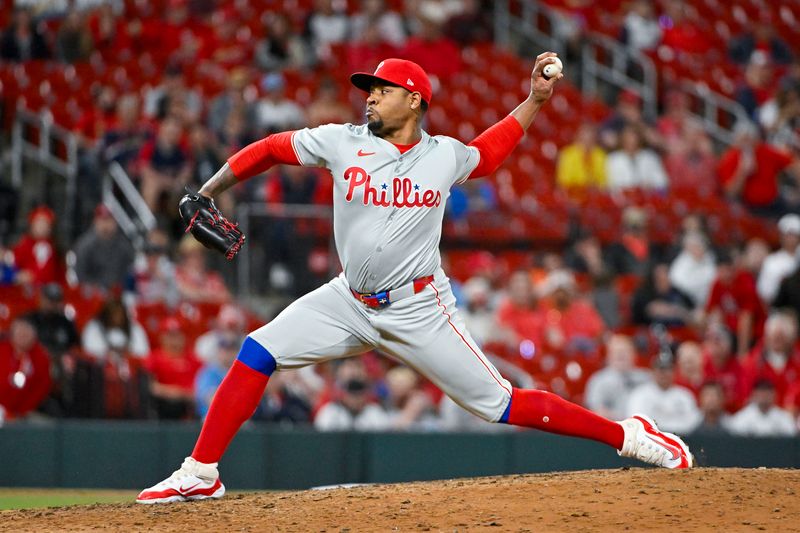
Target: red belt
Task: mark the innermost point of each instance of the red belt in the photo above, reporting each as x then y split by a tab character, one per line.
381	299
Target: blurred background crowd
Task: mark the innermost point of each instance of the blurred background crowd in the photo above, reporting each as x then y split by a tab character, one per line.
625	261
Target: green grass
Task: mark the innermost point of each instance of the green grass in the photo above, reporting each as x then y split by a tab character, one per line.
34	498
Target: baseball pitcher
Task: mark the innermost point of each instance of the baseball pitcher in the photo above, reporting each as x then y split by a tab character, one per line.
391	182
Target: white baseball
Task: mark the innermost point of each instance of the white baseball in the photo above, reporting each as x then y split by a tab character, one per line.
553	69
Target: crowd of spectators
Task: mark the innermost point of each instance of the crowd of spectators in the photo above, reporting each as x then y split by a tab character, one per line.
701	335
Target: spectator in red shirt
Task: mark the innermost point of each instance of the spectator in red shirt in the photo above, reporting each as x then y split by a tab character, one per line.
173	366
735	302
722	366
24	371
749	171
438	55
36	256
519	314
680	32
571	322
776	358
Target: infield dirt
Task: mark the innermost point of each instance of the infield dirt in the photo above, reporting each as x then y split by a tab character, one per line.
602	500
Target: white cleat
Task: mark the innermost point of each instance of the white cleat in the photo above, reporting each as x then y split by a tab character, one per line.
644	441
192	481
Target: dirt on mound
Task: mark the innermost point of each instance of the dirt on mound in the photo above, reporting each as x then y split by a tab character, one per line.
600	500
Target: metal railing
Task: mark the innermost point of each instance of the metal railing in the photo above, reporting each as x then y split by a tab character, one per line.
605	61
135	226
36	137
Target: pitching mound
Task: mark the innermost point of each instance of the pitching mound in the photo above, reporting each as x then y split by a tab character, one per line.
605	500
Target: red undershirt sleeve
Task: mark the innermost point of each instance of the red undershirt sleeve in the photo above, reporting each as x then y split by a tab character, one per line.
496	144
258	157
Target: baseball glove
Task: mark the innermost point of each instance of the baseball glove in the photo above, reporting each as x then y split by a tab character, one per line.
207	225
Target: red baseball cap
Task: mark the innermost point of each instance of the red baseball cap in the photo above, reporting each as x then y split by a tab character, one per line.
400	72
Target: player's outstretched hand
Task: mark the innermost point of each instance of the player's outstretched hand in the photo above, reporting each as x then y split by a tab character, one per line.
541	87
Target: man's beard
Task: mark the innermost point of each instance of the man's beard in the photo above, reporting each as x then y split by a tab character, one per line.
376	127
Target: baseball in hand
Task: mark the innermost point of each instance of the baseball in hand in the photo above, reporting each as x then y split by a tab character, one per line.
553	69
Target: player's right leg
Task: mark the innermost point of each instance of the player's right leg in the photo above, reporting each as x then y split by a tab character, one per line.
324	324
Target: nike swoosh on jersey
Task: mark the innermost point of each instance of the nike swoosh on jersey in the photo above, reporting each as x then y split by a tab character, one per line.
362	153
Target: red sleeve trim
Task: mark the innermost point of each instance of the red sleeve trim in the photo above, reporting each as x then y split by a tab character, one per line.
496	144
260	156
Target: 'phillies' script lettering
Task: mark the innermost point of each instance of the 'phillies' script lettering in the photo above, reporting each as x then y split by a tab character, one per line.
404	192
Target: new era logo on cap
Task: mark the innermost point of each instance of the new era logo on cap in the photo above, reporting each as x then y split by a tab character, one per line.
398	72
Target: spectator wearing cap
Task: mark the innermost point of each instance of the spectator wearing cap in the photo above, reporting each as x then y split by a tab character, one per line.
694	269
582	164
712	407
55	331
762	417
608	389
776	358
36	255
633	166
735	302
152	277
571	321
165	166
103	257
173	367
196	282
633	252
749	171
673	406
114	330
657	301
276	112
22	40
782	262
352	407
213	371
721	365
24	371
229	328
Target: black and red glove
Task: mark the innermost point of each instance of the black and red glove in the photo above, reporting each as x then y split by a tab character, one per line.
207	225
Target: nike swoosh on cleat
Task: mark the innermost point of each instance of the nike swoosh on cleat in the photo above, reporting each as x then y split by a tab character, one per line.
362	153
675	452
184	490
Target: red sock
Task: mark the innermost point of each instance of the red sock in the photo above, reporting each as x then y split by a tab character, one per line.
234	402
549	412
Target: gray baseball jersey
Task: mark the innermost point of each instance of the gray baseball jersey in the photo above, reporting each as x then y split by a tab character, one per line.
387	206
388	211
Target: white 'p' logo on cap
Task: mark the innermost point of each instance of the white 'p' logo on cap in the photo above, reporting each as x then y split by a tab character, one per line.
409	82
379	67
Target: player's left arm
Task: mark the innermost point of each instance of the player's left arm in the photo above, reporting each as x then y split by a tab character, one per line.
498	141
